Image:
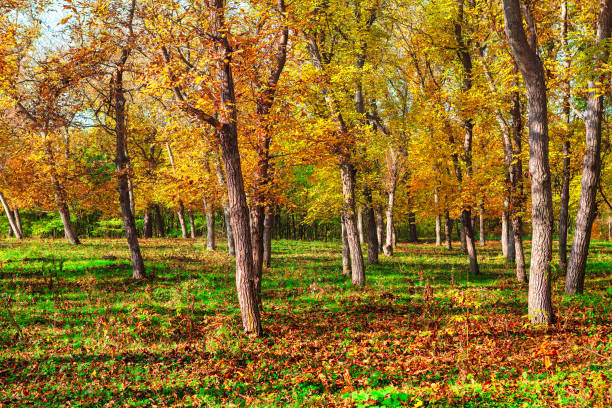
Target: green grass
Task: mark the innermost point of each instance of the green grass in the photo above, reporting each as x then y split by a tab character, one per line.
422	333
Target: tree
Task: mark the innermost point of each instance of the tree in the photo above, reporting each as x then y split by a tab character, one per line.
524	50
587	207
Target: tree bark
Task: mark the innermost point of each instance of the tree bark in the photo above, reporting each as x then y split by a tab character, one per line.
525	54
226	209
481	229
413	236
60	197
210	225
360	223
267	237
122	161
504	229
347	172
228	139
388	249
159	220
591	167
11	217
192	232
464	55
380	226
512	135
438	219
565	174
181	217
346	253
371	229
448	230
17	216
462	236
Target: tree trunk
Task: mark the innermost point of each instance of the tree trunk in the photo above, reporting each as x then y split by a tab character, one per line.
131	193
267	238
181	217
438	219
360	223
122	163
159	219
346	253
481	229
257	232
463	52
228	139
517	235
226	210
210	224
380	226
11	217
470	243
448	230
531	67
371	230
347	173
148	223
462	236
591	167
565	174
564	210
412	228
192	232
504	230
511	253
388	249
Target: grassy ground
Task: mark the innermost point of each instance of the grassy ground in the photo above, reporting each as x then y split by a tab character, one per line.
418	335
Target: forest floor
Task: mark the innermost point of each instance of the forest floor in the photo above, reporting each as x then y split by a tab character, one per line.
76	330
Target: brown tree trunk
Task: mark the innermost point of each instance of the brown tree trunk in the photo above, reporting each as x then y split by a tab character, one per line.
481	229
525	54
17	215
469	241
192	232
11	218
516	182
131	194
371	230
448	230
147	226
412	230
565	174
438	219
346	253
504	229
462	236
464	55
267	238
228	139
388	249
380	226
591	166
122	163
60	197
226	209
159	220
360	223
181	217
210	225
347	173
